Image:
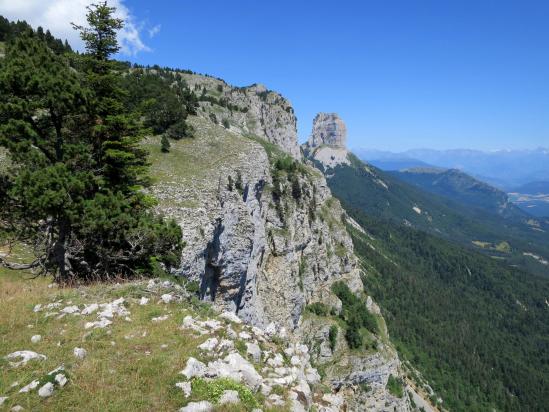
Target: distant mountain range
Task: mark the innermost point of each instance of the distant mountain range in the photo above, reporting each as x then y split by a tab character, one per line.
462	188
505	169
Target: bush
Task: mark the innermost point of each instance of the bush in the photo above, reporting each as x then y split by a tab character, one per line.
355	314
318	308
164	144
332	336
395	386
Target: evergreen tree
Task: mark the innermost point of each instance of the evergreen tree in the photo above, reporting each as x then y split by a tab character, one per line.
164	144
75	190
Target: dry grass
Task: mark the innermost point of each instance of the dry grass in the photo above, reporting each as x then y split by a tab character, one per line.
127	367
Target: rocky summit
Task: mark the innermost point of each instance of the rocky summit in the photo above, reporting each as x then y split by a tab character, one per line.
328	129
327	144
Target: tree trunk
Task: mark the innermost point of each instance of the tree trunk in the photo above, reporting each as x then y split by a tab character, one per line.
60	254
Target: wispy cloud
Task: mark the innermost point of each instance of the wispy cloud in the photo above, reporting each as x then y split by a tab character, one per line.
57	16
153	31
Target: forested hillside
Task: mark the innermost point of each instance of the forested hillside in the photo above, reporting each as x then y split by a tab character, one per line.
380	195
475	328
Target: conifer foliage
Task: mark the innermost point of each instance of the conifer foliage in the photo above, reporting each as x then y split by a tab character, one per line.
74	187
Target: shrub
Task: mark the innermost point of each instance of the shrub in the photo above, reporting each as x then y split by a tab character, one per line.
395	386
332	336
318	308
164	144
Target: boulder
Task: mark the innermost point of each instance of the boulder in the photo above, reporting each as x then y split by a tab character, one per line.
194	368
202	406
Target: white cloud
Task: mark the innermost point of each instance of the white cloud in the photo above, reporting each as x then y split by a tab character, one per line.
57	16
153	31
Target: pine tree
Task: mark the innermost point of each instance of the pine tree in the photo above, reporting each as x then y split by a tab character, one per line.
164	144
75	191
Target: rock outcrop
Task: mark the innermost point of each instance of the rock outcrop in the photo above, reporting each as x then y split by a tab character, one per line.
327	145
264	238
329	130
252	110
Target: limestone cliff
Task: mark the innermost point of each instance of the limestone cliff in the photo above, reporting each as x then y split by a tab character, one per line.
328	129
264	238
328	141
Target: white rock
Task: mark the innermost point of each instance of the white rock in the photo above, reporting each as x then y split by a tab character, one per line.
36	338
25	356
295	361
266	389
80	353
29	387
3	399
226	344
312	375
229	396
275	400
231	333
231	316
202	406
249	374
143	301
46	390
102	323
245	335
194	368
89	309
332	399
209	344
257	331
297	406
61	379
160	318
253	350
190	323
71	310
17	408
185	387
212	324
37	308
277	361
167	298
271	329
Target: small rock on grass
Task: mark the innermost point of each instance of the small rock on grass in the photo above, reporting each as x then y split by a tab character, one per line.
25	356
3	399
46	390
36	338
80	353
185	387
202	406
17	408
229	396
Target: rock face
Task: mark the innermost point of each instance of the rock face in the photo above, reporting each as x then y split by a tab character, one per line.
258	111
327	144
328	129
261	240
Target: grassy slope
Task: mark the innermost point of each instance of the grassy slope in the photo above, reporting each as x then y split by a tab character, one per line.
127	366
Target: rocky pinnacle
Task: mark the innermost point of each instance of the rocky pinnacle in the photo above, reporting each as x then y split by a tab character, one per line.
328	129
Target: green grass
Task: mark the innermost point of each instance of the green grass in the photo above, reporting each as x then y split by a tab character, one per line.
131	365
395	386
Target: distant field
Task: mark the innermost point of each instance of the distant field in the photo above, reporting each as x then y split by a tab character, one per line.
537	205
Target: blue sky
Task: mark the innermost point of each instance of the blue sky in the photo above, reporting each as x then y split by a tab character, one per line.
402	74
